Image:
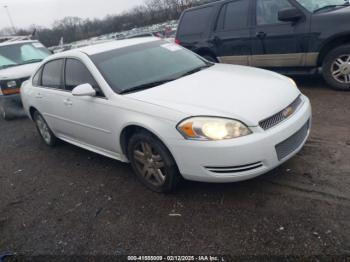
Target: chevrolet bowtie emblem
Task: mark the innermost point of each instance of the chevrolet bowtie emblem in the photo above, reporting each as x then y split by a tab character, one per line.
287	112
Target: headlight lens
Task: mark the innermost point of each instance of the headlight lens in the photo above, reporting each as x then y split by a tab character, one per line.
11	84
212	128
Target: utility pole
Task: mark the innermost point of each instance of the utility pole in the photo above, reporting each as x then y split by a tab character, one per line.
10	18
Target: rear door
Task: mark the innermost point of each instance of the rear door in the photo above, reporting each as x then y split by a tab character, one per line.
232	35
51	99
276	43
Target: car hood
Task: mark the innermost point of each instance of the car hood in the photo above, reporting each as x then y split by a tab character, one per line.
18	72
244	93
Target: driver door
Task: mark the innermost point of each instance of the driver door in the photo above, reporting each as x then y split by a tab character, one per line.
91	117
277	43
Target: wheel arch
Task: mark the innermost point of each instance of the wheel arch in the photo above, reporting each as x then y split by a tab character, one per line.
130	130
331	44
32	110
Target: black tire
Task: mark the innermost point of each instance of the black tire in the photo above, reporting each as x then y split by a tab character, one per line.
49	138
170	175
329	68
210	58
5	114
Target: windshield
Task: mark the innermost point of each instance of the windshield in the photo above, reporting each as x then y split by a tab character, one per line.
20	54
313	5
146	65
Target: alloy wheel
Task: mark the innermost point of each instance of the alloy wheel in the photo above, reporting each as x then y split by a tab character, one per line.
149	164
43	129
340	69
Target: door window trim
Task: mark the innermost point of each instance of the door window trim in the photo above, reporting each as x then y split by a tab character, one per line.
221	9
279	23
42	72
80	61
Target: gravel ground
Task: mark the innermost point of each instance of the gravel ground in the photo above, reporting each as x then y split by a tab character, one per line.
68	201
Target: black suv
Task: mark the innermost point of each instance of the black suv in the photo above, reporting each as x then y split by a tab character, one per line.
289	36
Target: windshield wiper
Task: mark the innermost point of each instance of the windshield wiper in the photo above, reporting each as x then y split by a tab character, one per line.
146	86
330	6
196	70
31	61
161	82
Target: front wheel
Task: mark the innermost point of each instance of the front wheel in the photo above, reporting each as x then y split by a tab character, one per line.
44	130
336	68
152	163
4	114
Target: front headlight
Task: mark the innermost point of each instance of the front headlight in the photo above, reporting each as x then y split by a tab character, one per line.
212	128
11	84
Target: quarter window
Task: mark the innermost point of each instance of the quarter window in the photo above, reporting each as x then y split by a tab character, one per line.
36	78
195	22
267	11
78	74
52	74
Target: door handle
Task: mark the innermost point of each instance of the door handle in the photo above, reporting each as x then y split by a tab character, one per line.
67	102
39	96
261	35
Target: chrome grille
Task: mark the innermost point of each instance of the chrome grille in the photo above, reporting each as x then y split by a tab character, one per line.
293	143
281	116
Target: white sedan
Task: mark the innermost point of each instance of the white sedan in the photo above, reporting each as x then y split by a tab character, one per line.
168	112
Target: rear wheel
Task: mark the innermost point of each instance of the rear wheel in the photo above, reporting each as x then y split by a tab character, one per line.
44	130
152	163
336	68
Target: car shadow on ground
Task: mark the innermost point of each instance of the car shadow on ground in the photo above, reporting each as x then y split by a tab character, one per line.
311	82
122	173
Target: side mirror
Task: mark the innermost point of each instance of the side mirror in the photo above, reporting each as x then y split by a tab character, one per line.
290	15
84	90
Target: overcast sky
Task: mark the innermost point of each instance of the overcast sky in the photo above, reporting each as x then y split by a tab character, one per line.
45	12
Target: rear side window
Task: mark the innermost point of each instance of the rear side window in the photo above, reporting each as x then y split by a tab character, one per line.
52	74
195	22
233	16
77	74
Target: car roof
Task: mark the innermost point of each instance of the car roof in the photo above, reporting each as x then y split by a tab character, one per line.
17	42
107	46
205	4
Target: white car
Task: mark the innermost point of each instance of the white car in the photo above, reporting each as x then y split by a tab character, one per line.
168	111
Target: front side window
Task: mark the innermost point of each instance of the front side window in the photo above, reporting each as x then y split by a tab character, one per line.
21	54
52	74
141	65
267	11
313	5
234	16
77	74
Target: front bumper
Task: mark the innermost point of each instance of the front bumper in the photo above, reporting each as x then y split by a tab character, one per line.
11	100
246	157
11	103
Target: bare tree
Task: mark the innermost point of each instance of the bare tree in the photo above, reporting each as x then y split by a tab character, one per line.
75	28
